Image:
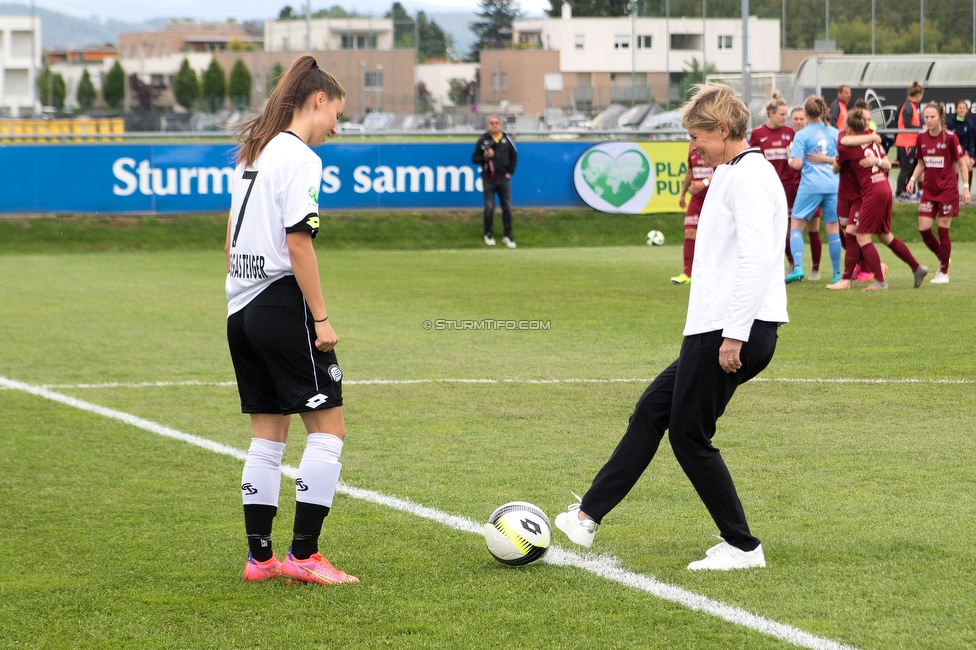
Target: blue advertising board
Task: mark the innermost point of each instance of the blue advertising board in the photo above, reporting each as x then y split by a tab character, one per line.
133	178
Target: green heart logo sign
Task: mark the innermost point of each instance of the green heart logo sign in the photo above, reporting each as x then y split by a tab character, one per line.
615	177
615	180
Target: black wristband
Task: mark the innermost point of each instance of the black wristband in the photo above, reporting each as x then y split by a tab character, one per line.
320	321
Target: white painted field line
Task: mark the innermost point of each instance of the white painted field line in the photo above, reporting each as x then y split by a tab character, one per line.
604	566
404	382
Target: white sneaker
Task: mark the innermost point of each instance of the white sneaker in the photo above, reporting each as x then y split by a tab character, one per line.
723	557
578	532
489	240
940	278
814	275
508	241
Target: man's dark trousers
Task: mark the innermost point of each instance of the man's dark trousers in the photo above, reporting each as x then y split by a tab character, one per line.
503	186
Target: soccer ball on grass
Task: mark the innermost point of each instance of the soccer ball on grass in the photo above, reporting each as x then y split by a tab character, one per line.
518	534
655	238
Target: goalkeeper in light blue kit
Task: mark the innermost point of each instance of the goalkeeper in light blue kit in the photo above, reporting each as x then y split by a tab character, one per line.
814	151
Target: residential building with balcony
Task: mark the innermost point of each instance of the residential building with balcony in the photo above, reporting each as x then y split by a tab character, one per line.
20	62
328	34
585	64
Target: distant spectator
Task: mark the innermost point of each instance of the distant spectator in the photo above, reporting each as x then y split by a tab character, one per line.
838	107
965	130
496	153
909	118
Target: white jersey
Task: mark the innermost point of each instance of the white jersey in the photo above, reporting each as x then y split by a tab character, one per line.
277	195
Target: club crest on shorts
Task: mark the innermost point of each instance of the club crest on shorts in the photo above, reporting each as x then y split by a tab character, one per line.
335	373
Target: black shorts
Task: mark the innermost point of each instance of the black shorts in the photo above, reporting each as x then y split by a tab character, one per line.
272	346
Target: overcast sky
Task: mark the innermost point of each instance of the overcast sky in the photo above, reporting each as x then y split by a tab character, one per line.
218	10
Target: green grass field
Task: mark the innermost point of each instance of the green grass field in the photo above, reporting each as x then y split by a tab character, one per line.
853	457
406	230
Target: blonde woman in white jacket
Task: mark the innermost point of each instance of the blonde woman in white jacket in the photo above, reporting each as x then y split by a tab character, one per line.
736	304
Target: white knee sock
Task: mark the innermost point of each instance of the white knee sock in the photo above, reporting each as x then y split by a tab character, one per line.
261	479
318	473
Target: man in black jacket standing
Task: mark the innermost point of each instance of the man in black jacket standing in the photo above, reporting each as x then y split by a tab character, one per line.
497	155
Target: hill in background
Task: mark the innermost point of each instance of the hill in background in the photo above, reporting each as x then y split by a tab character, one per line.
59	30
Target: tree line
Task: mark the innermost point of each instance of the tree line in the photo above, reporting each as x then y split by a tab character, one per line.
206	91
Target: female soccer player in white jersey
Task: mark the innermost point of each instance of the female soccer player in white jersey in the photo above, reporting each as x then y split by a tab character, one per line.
939	156
280	337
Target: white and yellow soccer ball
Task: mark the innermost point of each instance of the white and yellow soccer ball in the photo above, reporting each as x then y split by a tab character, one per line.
518	534
655	238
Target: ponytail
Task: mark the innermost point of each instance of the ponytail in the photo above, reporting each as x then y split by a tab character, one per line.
774	103
857	122
303	79
816	108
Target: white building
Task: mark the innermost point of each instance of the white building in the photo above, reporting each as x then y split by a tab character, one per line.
20	61
437	78
328	34
637	59
623	44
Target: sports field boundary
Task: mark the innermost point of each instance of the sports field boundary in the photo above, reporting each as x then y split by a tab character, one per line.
604	566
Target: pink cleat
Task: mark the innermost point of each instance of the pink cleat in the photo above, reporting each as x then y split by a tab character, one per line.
315	569
267	570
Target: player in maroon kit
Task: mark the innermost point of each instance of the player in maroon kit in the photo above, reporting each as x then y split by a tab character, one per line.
849	198
940	157
869	166
697	178
774	138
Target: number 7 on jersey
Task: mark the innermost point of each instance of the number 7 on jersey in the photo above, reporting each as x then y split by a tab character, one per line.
249	176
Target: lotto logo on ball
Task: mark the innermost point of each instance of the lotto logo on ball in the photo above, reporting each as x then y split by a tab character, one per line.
518	534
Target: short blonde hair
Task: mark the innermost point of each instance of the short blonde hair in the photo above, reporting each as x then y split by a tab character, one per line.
714	104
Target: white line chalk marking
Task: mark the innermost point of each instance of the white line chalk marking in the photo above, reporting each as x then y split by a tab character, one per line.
403	382
604	566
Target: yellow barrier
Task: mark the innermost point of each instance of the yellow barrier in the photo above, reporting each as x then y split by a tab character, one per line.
102	129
